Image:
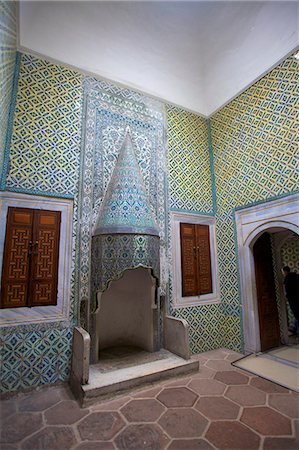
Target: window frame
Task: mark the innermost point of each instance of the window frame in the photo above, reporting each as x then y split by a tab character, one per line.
34	227
41	314
203	299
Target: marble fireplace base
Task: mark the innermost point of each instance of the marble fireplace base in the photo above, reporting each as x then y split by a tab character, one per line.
109	376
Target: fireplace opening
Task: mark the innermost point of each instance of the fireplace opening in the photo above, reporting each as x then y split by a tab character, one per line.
127	319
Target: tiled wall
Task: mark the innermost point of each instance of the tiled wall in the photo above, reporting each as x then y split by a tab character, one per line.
255	141
190	185
191	190
255	144
44	159
46	136
34	355
7	67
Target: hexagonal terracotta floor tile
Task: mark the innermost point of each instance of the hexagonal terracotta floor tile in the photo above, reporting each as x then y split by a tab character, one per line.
141	436
204	372
148	393
190	444
281	443
219	353
54	438
65	413
178	383
113	405
232	436
220	364
8	407
183	422
267	386
175	397
142	410
231	377
216	408
246	395
95	446
16	427
43	399
207	386
232	357
266	421
11	447
287	404
100	426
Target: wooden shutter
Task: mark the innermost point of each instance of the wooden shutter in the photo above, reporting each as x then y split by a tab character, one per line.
195	259
44	277
189	261
16	262
204	259
30	263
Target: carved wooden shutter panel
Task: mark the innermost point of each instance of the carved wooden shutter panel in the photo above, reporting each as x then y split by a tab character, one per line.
43	289
16	263
188	258
30	263
204	259
196	259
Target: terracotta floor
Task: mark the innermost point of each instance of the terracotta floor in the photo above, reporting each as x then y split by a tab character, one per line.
220	407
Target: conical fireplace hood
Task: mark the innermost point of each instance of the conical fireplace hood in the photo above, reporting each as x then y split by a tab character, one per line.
126	208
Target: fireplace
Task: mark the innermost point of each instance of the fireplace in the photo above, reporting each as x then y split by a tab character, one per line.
128	331
125	262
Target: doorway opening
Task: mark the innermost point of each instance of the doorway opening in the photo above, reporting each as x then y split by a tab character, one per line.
277	218
273	249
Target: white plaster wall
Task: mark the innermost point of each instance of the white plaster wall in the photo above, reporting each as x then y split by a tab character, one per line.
197	54
125	316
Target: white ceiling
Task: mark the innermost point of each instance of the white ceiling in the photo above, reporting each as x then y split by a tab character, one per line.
198	55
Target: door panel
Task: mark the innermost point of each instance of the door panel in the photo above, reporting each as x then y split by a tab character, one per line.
266	296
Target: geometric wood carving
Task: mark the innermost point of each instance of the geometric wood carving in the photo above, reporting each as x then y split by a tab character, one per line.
30	263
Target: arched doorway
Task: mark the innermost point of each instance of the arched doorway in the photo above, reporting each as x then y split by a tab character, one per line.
279	216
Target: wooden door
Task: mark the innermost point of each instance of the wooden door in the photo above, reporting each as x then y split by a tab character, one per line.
195	259
266	296
30	261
